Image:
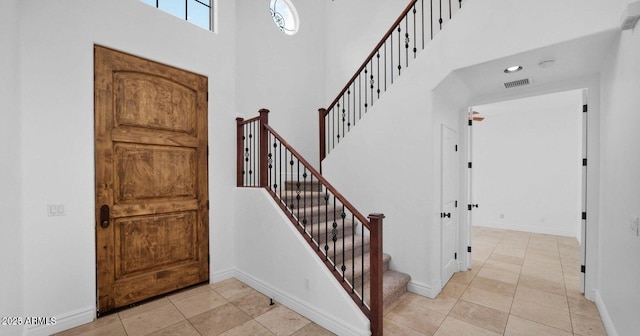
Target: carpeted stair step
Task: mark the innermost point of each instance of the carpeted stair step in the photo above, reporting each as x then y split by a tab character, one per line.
357	278
304	185
394	284
351	247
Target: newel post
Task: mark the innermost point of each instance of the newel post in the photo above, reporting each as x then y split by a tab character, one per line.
239	145
375	252
264	148
323	137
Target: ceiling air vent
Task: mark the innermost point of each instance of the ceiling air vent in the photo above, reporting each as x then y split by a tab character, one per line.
519	82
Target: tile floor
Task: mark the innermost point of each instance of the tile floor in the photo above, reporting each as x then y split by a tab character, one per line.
521	284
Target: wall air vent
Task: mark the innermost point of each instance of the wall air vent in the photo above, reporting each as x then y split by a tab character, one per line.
519	82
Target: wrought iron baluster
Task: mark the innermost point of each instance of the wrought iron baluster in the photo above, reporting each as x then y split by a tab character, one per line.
385	66
359	97
440	20
372	80
343	117
349	108
431	11
378	76
326	224
415	37
334	233
366	99
304	202
362	262
391	56
422	14
406	40
399	50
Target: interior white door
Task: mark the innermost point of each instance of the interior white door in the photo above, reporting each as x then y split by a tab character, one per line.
448	192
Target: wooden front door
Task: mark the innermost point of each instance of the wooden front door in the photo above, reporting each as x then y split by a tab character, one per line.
151	179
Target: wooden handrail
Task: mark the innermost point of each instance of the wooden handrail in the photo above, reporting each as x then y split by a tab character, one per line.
320	178
372	54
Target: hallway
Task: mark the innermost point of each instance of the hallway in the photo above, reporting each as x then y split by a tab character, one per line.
522	284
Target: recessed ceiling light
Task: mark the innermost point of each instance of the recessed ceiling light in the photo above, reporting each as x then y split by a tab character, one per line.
513	69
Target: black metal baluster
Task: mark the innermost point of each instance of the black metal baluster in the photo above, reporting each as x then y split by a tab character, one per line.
431	19
385	66
366	98
399	50
311	209
378	76
391	56
304	200
334	233
292	164
353	257
349	108
422	14
440	20
344	267
326	224
372	80
344	118
359	97
406	40
298	191
415	37
362	262
254	157
354	104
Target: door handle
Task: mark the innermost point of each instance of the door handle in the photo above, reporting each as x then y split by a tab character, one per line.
475	205
445	215
104	216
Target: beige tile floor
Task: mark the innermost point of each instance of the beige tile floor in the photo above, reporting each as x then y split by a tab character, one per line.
521	284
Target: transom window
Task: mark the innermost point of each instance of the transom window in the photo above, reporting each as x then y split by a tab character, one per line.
285	16
198	12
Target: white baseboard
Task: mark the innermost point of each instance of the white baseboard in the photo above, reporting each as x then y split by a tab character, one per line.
63	322
328	321
430	291
222	275
604	315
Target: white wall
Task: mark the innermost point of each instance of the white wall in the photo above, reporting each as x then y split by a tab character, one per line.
56	97
11	303
273	257
620	199
353	28
281	72
527	164
386	164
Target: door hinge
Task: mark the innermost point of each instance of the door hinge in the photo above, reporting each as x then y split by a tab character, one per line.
456	148
207	96
584	162
208	205
470	122
456	204
455	256
585	108
207	150
469	207
208	259
469	249
469	165
584	216
582	269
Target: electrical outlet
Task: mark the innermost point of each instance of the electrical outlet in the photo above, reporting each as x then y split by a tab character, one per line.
55	209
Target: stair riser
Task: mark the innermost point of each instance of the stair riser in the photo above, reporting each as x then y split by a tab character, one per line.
295	200
323	236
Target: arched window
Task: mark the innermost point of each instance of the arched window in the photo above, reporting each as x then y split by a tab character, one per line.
285	16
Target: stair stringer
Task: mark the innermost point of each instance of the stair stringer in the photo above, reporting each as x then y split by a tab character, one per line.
273	258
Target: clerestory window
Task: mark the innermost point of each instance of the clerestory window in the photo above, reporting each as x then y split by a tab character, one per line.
198	12
285	16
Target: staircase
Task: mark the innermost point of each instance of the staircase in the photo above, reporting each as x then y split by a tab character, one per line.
349	246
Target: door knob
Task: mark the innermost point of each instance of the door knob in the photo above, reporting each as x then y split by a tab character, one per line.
104	216
445	214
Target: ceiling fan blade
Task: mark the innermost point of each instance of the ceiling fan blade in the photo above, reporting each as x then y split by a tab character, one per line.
478	118
476	112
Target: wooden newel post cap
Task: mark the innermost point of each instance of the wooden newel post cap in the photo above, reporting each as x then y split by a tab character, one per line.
263	110
376	216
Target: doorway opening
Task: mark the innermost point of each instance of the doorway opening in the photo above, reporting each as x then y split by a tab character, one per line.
527	171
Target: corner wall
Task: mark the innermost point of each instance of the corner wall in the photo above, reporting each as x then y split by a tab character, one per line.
11	235
618	295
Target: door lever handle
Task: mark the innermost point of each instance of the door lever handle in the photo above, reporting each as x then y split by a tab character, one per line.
104	216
